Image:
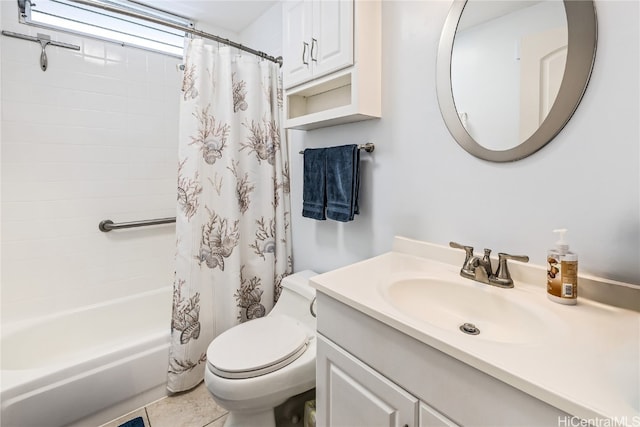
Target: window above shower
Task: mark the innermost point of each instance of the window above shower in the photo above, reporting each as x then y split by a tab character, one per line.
87	20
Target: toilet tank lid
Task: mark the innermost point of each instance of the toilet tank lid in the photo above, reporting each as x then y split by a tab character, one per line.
299	282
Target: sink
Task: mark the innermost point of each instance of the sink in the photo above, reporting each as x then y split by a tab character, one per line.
449	304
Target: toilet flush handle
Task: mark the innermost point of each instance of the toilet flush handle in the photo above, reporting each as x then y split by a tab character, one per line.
312	309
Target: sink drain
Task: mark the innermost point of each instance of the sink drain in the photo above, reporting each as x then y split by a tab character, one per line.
469	328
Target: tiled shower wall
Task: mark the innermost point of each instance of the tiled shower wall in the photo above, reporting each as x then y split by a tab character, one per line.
92	138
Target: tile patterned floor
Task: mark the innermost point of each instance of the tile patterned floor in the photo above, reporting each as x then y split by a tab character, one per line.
194	408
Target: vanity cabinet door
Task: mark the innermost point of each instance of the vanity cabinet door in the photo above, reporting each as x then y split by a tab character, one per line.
350	393
429	417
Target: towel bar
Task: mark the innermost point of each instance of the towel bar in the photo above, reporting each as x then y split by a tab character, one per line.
368	147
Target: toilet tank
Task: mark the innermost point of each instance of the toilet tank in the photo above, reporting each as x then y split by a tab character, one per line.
296	297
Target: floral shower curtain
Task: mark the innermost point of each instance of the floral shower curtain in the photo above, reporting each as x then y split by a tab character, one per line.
232	223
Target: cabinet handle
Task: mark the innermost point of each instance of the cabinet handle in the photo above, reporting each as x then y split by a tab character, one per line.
314	47
305	45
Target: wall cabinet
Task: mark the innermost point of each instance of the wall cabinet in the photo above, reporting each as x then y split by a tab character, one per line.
332	62
318	39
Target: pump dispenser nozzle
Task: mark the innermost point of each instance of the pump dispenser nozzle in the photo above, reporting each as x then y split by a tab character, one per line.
561	245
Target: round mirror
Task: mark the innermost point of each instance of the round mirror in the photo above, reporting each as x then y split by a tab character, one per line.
511	74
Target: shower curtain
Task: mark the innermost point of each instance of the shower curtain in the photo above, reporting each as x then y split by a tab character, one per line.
233	215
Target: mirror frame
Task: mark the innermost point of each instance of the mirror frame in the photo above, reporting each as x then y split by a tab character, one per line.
582	41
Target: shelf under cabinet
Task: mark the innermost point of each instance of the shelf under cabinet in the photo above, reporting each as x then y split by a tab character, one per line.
333	100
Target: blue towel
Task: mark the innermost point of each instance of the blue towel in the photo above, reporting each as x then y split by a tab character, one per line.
313	186
343	182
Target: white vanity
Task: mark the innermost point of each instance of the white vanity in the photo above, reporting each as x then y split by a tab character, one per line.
390	351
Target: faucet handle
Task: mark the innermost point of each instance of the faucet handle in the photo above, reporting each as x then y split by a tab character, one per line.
468	267
502	277
521	258
459	246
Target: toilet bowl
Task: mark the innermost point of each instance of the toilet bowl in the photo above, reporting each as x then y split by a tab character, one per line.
258	365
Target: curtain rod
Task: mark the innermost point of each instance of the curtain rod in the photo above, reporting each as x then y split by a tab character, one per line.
193	31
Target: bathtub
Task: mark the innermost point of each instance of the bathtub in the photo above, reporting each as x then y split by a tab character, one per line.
59	369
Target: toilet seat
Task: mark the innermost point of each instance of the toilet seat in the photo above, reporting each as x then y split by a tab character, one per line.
257	347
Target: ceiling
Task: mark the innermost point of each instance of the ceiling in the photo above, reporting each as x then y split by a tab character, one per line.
232	15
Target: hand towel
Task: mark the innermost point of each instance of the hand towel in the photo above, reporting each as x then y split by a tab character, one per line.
313	185
343	182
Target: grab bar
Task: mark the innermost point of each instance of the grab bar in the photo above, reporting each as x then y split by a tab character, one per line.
108	225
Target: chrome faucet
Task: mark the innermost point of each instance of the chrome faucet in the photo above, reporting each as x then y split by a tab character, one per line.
481	270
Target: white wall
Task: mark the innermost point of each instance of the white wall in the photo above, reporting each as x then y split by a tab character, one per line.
265	34
419	183
93	137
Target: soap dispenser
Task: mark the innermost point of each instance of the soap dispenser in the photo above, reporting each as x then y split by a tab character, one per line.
562	272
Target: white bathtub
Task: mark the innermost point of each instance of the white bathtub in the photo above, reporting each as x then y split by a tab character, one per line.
59	369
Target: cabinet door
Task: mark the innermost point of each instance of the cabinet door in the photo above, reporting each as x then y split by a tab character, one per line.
350	393
297	35
332	40
429	417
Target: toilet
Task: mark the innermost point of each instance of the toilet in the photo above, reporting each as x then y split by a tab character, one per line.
258	365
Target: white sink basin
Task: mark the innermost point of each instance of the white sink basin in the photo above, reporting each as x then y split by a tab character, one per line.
450	304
